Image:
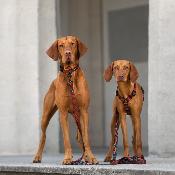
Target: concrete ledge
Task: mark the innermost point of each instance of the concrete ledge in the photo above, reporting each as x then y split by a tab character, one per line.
51	165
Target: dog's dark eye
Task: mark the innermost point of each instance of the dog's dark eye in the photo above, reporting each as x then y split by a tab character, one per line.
116	68
125	67
73	44
61	45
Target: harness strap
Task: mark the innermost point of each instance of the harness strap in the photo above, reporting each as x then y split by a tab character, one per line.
126	100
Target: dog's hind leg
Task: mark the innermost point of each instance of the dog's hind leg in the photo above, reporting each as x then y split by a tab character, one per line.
49	108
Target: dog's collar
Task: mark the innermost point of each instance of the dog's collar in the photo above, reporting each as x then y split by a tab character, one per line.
69	69
68	74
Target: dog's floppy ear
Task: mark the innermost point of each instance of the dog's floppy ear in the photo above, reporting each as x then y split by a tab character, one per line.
133	73
81	48
108	72
53	52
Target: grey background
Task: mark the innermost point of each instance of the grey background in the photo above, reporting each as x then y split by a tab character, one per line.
128	34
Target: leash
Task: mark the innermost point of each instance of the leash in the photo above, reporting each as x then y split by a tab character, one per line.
76	110
125	160
114	154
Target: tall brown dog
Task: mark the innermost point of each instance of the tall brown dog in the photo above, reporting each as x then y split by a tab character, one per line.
67	51
126	74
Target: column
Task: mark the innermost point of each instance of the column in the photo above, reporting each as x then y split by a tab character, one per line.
24	72
161	105
19	106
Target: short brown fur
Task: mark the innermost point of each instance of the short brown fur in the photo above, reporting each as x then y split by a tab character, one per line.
126	75
67	50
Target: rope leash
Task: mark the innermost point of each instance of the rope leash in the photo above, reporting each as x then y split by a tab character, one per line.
76	111
114	154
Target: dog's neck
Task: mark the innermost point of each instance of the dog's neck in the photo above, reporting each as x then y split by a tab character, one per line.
70	76
70	72
125	88
68	67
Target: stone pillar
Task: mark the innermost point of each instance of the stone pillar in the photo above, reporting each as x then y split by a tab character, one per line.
19	76
161	105
20	53
7	76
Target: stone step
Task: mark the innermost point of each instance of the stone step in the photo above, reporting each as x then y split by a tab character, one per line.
21	165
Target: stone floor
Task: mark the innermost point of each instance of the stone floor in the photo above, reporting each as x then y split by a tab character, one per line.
12	165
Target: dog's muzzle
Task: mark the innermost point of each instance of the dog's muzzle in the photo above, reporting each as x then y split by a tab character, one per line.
68	56
120	78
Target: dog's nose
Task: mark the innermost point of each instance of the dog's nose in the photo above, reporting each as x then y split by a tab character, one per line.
67	52
121	77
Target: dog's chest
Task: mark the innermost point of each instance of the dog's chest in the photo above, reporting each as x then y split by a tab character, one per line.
65	90
65	94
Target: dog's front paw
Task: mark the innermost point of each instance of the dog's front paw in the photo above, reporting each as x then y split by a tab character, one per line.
37	159
93	161
67	157
67	161
107	159
90	158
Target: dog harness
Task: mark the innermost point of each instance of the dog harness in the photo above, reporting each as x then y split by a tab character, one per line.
76	110
126	100
125	160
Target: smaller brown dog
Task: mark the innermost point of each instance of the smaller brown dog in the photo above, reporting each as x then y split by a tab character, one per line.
128	100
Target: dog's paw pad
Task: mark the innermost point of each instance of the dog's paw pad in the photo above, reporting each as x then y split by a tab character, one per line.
95	161
107	159
67	162
36	161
